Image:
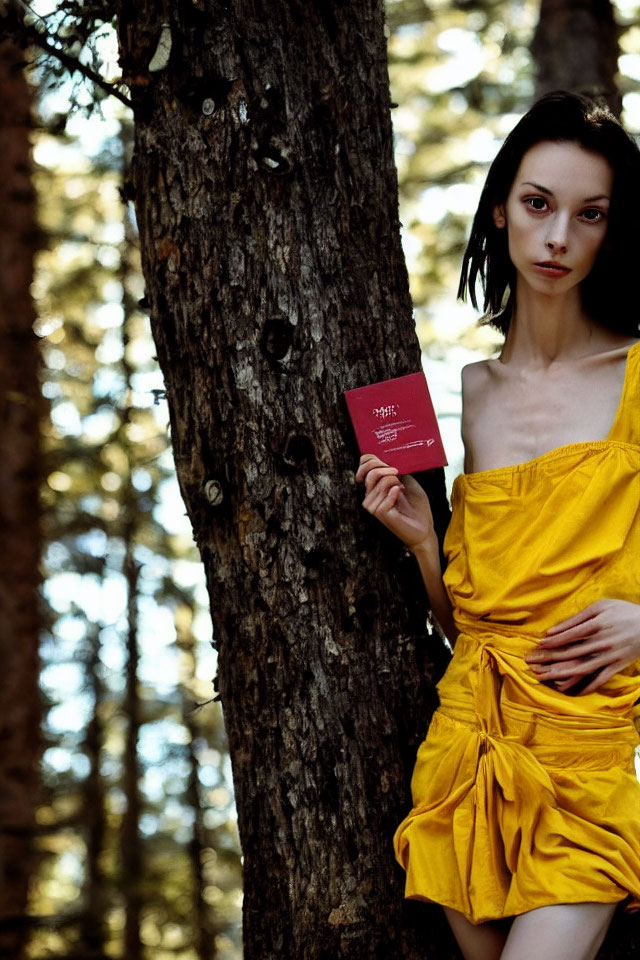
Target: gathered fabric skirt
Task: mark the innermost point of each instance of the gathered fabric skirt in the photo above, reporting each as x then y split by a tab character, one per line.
522	796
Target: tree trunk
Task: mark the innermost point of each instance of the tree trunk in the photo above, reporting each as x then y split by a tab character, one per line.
20	409
575	47
267	205
93	927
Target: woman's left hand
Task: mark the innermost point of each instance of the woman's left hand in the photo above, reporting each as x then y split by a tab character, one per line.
598	642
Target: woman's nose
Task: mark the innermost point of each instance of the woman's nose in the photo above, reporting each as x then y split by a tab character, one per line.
557	234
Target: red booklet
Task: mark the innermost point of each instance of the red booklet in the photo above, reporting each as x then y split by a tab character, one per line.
395	420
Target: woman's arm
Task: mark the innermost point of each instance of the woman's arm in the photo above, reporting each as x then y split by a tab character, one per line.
403	507
428	556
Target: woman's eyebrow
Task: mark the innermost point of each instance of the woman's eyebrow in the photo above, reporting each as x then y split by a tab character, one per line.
549	193
536	186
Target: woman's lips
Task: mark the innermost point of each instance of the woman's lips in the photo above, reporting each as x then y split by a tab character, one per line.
550	269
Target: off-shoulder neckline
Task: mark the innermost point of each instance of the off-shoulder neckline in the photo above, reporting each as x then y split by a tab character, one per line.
565	449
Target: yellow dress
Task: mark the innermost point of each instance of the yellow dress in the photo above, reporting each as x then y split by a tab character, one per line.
524	796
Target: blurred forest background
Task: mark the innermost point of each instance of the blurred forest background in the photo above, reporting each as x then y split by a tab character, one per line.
136	852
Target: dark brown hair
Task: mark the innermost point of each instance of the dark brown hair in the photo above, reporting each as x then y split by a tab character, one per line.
609	292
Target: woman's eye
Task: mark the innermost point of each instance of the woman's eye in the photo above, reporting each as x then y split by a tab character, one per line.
592	215
536	203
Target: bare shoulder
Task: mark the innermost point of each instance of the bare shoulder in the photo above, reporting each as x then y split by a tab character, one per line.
475	378
476	384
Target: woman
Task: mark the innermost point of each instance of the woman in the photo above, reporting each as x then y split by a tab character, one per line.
526	817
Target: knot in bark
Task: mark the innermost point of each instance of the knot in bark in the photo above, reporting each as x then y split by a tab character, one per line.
298	452
277	338
213	492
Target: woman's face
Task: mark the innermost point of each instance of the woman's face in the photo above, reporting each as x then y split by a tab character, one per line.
556	215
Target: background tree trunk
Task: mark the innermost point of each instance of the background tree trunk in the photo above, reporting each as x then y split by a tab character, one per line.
132	853
93	928
267	205
20	408
131	846
204	924
575	47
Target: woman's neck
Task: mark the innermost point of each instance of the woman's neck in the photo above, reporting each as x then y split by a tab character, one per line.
546	329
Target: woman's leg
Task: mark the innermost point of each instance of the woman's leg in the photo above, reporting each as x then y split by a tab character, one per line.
483	941
565	931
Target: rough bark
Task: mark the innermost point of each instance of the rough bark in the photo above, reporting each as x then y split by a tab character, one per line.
20	410
575	47
267	206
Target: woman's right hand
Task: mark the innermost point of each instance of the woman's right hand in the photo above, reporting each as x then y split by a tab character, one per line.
398	502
